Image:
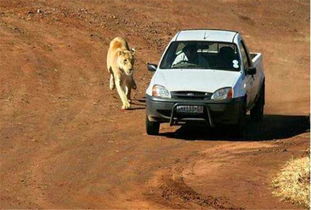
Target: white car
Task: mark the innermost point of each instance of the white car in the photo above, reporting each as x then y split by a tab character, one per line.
205	75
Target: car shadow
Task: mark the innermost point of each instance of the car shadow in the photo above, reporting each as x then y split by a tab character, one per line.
270	128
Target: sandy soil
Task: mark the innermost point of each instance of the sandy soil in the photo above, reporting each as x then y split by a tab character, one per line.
65	143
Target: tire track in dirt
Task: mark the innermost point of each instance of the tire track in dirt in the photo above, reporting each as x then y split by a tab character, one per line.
170	189
238	167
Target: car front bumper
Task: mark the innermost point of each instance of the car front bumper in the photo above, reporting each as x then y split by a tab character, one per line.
215	112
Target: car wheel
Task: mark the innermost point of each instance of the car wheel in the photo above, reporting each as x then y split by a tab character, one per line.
152	128
258	110
239	128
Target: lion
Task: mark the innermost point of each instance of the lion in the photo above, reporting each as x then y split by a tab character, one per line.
120	65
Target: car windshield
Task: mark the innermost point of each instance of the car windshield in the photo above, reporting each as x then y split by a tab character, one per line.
201	55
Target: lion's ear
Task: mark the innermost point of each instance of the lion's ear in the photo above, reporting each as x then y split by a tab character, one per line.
133	51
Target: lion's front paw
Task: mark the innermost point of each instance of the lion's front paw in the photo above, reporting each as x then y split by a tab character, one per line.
126	105
111	85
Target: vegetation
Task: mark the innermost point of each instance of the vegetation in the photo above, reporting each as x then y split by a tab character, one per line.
293	182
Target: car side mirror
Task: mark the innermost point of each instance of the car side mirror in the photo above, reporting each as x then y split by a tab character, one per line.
251	70
152	67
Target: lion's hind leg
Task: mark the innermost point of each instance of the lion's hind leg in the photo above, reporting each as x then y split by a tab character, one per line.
134	86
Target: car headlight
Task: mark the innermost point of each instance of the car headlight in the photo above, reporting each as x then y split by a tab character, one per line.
160	91
223	93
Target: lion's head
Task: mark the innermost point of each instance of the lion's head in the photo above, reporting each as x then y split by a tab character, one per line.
126	60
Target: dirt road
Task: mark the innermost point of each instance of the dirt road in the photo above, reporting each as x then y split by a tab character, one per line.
65	143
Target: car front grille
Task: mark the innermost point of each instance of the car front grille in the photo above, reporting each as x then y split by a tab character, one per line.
191	95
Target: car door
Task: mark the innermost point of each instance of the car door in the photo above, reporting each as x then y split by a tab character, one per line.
249	79
257	76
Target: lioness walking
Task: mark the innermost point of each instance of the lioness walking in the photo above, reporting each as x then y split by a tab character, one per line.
120	65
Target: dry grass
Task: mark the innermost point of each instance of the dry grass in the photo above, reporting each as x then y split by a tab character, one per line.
293	182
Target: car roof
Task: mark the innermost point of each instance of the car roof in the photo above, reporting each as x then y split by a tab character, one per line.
206	35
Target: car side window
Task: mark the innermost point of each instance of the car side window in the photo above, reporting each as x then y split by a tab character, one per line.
244	56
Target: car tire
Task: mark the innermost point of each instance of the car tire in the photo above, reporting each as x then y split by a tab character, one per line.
258	110
152	128
239	128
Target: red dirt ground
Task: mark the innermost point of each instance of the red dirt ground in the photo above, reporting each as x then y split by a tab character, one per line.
65	143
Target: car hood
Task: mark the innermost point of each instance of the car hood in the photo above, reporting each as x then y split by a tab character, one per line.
205	80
